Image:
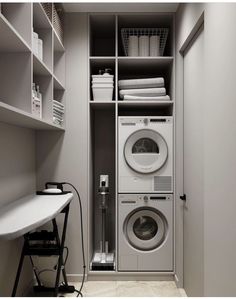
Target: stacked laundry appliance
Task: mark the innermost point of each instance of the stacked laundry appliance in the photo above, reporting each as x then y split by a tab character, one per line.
145	180
148	89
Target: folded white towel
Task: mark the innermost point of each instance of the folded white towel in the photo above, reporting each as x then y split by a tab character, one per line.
56	103
141	83
138	98
146	92
59	110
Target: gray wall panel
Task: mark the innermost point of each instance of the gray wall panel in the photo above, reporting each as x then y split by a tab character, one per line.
17	178
63	156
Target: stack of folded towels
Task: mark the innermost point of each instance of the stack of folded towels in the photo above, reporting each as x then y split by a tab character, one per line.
58	110
149	89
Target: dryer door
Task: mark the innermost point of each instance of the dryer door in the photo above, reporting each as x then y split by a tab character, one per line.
145	151
145	229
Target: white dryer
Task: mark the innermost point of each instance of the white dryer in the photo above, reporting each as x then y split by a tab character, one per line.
145	154
145	232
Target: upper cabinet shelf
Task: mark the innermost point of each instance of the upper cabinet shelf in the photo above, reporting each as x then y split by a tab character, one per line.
20	118
27	58
106	32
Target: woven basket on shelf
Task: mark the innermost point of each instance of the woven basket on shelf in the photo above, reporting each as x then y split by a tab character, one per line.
47	7
127	32
57	14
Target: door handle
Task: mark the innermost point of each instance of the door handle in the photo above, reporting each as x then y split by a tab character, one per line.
183	197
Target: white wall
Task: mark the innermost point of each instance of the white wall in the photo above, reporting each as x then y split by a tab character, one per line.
220	142
17	178
63	156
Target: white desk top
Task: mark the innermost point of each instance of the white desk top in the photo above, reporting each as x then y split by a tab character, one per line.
30	212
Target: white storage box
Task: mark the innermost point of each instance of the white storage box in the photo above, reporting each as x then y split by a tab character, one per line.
102	92
102	78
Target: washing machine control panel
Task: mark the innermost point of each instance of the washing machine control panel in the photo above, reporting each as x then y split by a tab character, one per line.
144	121
143	198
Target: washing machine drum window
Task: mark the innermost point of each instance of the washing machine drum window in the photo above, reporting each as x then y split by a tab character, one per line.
145	229
145	151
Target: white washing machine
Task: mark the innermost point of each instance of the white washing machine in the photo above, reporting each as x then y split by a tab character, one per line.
145	232
145	155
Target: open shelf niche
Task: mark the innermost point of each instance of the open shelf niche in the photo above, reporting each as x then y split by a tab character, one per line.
20	66
99	63
103	161
102	35
15	78
137	68
19	16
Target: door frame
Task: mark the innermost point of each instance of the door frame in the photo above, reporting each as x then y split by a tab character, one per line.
179	161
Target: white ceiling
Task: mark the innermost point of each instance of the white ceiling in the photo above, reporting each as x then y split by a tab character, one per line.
120	7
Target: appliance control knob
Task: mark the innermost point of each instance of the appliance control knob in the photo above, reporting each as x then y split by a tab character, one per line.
145	198
145	121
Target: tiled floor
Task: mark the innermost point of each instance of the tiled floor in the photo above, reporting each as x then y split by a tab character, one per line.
130	289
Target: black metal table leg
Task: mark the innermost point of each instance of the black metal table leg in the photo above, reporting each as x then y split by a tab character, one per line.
60	261
18	272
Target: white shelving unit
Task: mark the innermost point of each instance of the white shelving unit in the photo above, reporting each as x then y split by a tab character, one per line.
20	67
106	51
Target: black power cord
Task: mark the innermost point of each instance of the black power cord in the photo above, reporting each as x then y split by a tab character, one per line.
82	239
60	186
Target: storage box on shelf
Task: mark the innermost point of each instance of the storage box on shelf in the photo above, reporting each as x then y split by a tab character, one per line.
144	41
146	25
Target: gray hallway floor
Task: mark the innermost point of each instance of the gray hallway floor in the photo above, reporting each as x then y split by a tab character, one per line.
130	289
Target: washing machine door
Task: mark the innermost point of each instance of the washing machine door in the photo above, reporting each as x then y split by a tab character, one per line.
145	151
145	229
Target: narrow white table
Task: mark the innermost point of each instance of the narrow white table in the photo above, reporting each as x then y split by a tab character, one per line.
27	213
22	216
